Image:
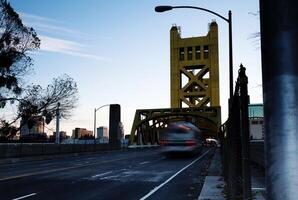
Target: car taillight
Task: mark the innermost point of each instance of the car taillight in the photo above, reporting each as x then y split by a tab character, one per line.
190	143
163	142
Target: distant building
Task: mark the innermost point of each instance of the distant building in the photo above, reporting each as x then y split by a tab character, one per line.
37	126
62	134
121	129
256	110
81	133
256	121
102	132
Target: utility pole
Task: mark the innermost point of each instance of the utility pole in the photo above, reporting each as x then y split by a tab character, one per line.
57	124
94	123
279	33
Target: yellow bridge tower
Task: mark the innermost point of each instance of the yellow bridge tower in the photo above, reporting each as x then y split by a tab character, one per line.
194	89
194	69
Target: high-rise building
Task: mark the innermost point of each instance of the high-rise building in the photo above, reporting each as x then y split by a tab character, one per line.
194	69
81	133
62	135
102	132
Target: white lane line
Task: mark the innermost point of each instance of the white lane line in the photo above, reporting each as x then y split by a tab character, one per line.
102	174
258	188
161	185
143	163
23	197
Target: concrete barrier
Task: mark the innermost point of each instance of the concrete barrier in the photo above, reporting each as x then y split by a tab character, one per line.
9	150
66	148
50	149
31	150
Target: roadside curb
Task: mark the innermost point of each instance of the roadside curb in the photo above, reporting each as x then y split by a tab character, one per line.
214	183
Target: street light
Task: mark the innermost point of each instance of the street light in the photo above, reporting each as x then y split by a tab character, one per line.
229	20
95	110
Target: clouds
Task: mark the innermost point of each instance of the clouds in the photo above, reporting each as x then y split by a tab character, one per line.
53	34
68	47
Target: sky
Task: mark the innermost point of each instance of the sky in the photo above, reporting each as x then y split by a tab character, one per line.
118	51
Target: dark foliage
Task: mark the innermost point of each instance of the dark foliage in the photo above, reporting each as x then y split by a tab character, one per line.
16	41
39	101
7	131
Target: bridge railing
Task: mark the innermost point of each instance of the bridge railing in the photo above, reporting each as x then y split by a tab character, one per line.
234	136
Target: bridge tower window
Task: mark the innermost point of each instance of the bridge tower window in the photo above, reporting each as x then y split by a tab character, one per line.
198	52
189	53
206	51
181	53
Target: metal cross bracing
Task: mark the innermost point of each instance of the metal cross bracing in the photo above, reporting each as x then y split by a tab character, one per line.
194	69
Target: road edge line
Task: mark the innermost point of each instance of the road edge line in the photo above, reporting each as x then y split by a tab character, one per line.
173	176
23	197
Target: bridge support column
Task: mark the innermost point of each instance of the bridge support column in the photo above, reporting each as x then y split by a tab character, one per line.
279	43
115	119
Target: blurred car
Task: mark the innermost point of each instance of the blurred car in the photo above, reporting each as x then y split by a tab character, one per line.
181	137
210	142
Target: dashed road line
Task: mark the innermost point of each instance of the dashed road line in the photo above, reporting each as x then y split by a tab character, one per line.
102	174
255	188
64	168
143	163
23	197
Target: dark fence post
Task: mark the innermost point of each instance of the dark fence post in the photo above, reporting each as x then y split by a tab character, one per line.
246	184
234	144
235	152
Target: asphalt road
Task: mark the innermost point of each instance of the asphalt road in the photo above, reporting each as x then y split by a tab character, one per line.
130	174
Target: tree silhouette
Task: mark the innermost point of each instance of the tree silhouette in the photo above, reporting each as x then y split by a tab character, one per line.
36	101
39	101
16	41
7	131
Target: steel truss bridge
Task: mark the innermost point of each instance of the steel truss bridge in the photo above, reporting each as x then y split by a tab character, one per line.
149	123
194	89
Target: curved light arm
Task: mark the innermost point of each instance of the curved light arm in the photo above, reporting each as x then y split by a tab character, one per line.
96	109
166	8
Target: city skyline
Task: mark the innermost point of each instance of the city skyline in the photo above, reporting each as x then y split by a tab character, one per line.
119	52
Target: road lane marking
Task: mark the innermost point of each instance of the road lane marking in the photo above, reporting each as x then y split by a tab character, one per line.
23	197
143	163
169	179
64	168
258	188
102	174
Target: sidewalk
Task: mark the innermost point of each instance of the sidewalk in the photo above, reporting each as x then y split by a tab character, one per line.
214	183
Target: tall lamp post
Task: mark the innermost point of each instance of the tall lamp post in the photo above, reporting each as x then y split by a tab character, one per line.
95	110
58	123
246	185
229	20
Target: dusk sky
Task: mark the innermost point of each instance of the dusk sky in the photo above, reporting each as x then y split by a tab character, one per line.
118	51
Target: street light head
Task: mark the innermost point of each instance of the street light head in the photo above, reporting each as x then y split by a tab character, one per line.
163	8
